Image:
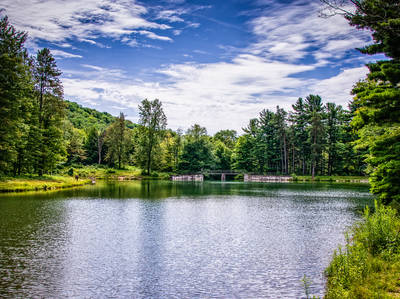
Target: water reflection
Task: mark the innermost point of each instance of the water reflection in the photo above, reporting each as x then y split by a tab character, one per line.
170	239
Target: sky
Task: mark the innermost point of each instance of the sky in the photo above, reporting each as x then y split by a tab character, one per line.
214	63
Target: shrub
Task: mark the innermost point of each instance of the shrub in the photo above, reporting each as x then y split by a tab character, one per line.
374	245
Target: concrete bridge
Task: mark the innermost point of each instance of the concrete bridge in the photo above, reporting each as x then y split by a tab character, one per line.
224	173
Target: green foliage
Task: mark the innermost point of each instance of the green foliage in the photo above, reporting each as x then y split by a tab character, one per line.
16	99
41	132
153	123
382	17
222	155
197	151
242	154
227	137
170	149
377	120
50	110
86	118
118	139
358	269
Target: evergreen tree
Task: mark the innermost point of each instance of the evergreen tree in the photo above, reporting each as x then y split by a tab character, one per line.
298	118
50	110
281	132
15	97
314	110
243	158
377	117
332	130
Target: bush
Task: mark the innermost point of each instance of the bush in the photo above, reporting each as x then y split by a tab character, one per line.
360	270
380	231
239	177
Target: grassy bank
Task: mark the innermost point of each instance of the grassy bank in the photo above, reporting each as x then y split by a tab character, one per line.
102	172
332	178
368	266
66	178
34	183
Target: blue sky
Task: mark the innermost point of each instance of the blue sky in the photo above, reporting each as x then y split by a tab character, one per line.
215	63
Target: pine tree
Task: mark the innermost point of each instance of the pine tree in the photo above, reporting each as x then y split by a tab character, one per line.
314	110
51	111
15	97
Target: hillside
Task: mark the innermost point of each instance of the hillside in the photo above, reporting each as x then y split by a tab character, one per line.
85	118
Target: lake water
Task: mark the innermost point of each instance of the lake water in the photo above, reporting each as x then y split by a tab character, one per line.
174	239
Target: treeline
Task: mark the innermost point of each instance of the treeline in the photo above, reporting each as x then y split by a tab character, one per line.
39	135
312	139
42	133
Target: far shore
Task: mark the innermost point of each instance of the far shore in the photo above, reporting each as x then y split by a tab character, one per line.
54	182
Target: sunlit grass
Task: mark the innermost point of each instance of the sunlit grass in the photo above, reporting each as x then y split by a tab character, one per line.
332	178
369	264
32	183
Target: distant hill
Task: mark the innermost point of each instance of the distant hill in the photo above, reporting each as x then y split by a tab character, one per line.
85	118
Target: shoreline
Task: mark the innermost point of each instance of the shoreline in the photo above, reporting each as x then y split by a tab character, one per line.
47	183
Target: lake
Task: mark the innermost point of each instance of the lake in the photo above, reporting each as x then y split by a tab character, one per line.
160	239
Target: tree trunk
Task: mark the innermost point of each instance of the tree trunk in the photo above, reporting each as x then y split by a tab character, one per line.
293	163
285	154
149	158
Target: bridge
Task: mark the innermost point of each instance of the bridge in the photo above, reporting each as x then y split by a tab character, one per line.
224	173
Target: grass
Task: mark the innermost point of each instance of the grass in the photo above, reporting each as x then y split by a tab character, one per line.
368	266
66	178
103	172
332	178
34	183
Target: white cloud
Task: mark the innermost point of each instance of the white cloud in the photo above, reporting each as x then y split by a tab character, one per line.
295	31
172	16
63	54
152	35
177	32
338	88
217	95
57	20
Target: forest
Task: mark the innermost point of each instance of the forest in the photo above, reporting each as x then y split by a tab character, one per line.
42	133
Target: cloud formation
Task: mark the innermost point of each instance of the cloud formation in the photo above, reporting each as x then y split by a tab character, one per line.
292	33
290	53
58	21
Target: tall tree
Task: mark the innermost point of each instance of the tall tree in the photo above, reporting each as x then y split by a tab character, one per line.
118	139
51	110
298	118
332	129
377	116
15	96
153	123
281	130
314	110
227	137
170	148
243	155
94	145
197	150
